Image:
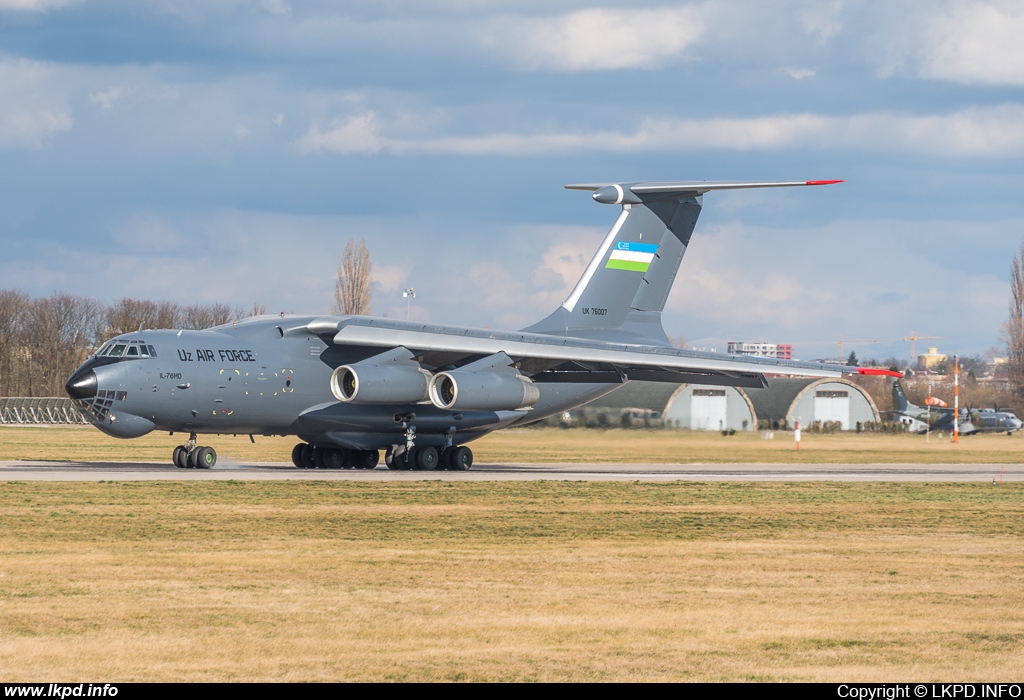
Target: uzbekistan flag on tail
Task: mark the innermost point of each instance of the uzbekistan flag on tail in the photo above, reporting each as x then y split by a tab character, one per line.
632	256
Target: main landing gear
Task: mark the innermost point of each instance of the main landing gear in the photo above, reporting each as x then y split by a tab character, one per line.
306	456
456	459
189	456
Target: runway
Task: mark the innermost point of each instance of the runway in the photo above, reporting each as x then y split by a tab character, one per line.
137	471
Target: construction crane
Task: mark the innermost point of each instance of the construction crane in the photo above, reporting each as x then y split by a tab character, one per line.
914	337
857	341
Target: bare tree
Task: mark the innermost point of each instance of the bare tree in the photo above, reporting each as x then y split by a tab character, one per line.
1013	331
200	316
61	330
14	308
353	292
127	314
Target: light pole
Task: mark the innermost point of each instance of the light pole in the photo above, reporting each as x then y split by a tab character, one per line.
409	296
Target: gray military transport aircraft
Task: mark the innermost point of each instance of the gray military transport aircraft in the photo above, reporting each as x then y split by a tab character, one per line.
350	386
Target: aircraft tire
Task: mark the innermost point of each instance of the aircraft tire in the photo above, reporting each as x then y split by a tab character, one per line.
317	454
307	456
461	459
179	457
427	458
366	459
333	458
297	456
206	457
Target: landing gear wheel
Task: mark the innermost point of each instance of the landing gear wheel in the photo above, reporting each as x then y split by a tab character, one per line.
333	458
395	458
297	456
426	458
180	457
307	457
317	453
461	459
205	457
366	459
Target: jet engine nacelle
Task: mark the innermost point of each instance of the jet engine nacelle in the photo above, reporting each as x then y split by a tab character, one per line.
380	384
466	390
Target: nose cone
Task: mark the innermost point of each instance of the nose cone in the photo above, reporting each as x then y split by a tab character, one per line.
82	384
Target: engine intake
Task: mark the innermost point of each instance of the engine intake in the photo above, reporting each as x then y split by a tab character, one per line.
466	390
375	384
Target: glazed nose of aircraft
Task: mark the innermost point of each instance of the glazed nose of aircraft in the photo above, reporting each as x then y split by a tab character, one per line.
82	384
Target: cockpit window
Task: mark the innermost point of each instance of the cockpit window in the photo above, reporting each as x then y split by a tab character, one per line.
133	349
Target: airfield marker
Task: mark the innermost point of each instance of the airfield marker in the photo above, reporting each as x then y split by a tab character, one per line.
956	398
796	435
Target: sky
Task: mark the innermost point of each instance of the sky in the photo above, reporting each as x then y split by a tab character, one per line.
226	150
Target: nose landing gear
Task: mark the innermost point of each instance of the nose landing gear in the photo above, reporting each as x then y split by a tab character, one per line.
189	456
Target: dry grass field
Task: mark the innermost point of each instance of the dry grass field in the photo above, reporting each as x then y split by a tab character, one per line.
571	581
553	445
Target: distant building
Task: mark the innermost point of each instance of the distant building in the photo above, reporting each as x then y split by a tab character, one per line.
932	359
781	351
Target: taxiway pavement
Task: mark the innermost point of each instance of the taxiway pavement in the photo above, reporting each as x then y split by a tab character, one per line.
137	471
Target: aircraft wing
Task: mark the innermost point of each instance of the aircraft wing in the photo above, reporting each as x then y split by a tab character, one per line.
546	358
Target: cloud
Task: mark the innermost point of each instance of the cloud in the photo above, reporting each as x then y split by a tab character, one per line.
822	20
990	132
277	7
30	5
964	42
106	99
596	39
799	73
808	286
357	134
32	108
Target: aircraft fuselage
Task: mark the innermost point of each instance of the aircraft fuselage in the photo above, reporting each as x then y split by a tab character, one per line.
256	378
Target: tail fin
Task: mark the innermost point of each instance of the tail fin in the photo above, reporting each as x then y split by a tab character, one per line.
623	290
899	399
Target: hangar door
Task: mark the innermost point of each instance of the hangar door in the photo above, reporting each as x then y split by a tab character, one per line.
707	409
832	405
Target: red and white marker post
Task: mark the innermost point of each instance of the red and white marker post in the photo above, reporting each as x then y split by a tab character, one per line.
796	435
956	398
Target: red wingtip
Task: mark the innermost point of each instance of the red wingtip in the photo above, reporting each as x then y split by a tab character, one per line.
878	371
823	182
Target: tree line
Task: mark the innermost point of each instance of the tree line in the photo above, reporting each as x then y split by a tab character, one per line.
43	340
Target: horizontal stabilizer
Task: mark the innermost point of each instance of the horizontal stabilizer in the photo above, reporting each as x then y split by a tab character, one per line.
637	192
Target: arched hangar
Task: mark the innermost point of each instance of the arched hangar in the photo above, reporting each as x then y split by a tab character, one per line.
699	407
692	406
787	401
